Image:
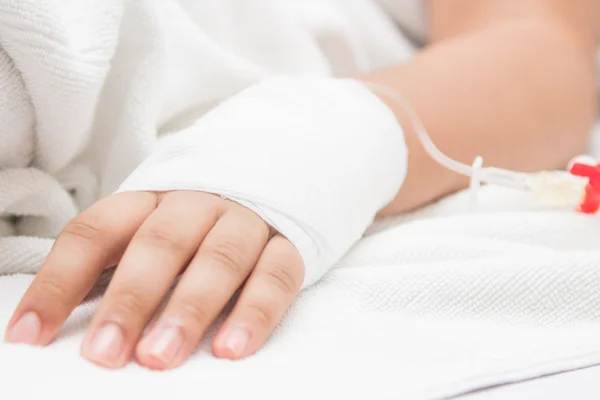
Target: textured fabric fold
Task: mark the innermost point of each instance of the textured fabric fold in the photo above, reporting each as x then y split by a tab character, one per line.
90	87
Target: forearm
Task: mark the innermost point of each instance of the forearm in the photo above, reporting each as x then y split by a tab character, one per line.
521	95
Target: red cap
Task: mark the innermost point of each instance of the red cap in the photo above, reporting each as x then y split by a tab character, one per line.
591	200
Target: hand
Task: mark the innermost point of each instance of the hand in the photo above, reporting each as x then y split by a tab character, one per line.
214	244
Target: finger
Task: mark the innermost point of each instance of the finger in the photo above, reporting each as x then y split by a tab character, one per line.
158	252
270	290
93	241
223	262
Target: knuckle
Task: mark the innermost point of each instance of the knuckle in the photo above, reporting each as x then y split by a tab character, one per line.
228	255
52	300
193	309
53	290
85	229
264	316
130	303
162	238
280	276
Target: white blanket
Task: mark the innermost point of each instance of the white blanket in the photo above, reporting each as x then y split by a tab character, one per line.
434	304
92	88
433	307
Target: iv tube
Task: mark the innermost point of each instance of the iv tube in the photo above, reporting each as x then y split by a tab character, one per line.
549	188
498	176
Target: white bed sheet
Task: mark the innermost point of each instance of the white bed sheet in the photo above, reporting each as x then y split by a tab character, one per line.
581	384
435	304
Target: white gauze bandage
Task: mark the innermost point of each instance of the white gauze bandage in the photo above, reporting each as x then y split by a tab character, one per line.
316	158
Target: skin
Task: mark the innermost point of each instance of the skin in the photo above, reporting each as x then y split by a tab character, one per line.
512	80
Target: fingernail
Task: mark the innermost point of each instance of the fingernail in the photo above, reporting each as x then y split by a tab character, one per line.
107	344
166	341
237	340
27	329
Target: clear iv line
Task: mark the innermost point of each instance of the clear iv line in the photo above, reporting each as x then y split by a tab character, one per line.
552	188
497	176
